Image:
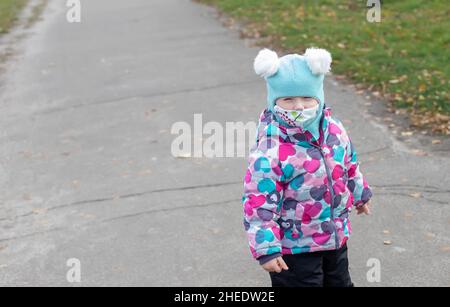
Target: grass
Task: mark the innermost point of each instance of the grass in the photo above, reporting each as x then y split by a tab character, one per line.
36	12
9	10
404	58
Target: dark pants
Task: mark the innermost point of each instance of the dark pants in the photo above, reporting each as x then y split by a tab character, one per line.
316	269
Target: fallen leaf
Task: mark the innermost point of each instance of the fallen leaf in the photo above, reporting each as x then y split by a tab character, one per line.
430	235
434	142
386	232
39	210
87	216
445	248
387	242
415	195
145	172
185	155
419	152
407	133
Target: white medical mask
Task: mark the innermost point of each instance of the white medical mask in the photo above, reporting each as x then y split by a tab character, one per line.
296	118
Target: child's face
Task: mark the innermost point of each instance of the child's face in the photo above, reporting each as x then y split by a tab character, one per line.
296	103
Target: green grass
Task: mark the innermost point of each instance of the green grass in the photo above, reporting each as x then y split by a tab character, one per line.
405	57
9	9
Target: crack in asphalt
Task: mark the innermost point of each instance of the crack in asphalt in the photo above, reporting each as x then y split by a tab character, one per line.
167	209
31	234
373	151
166	93
421	188
120	217
420	196
89	201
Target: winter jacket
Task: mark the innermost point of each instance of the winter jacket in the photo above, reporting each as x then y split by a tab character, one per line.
299	191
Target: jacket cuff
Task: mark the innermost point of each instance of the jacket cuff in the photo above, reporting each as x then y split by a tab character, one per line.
367	195
266	258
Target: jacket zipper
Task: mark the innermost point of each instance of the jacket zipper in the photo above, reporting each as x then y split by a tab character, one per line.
330	186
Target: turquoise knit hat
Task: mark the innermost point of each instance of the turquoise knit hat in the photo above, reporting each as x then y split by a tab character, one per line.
293	74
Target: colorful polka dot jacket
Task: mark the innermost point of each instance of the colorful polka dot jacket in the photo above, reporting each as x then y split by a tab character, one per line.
299	191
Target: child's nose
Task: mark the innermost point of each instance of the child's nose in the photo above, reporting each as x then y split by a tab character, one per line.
298	105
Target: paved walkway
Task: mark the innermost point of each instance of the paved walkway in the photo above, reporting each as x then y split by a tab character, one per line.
86	169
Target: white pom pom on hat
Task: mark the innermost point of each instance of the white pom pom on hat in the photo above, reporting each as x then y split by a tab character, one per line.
318	60
266	63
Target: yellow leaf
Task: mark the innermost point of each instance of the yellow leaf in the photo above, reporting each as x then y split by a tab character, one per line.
415	195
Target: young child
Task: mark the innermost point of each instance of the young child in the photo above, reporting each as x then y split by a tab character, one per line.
303	177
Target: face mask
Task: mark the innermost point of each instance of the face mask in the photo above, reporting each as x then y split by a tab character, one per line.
296	118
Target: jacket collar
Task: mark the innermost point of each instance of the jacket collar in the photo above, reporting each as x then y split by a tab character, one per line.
269	126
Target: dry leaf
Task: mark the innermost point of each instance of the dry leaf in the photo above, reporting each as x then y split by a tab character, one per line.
145	172
445	248
185	155
387	242
419	152
39	210
415	195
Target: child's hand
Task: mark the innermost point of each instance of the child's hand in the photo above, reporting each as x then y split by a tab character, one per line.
275	265
364	209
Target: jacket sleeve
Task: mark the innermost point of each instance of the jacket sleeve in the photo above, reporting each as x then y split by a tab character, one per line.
356	183
262	199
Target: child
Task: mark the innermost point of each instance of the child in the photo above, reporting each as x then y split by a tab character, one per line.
303	177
